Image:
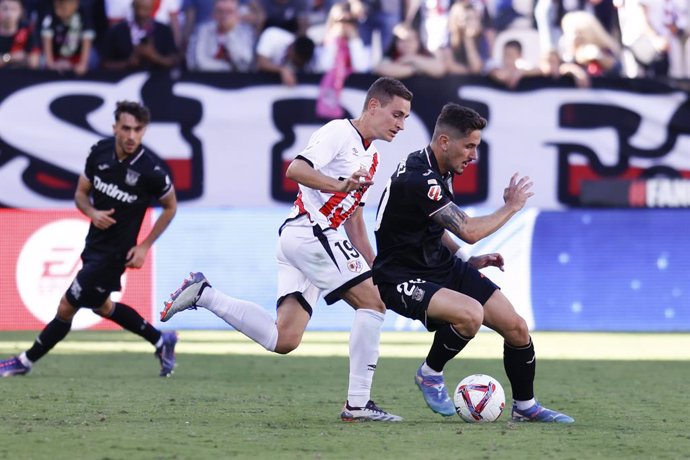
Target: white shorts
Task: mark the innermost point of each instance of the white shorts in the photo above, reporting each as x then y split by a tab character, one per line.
314	263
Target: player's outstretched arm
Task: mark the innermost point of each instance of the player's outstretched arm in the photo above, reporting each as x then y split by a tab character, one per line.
472	229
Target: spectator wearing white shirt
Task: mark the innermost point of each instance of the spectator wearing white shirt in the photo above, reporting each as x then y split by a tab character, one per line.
224	44
279	51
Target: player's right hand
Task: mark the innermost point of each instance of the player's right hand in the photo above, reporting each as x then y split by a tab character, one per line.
358	179
102	220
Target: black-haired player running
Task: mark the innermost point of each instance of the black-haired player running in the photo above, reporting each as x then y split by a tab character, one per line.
118	184
420	277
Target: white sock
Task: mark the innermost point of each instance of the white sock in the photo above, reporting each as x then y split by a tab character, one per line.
24	360
364	354
426	370
522	405
247	317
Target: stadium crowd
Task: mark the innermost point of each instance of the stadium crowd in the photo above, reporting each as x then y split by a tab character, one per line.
504	39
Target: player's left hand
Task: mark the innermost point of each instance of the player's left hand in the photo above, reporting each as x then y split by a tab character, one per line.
487	260
136	257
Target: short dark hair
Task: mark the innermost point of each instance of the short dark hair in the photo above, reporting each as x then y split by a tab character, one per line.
303	50
137	110
385	89
458	121
513	44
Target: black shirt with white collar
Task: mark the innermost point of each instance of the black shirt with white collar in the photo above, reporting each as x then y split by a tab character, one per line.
129	187
408	240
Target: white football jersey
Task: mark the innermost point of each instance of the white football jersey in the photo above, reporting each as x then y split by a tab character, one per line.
336	150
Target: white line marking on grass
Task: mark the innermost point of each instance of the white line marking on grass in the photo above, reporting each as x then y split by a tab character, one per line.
487	345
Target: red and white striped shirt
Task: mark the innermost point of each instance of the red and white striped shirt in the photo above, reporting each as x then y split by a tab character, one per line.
336	150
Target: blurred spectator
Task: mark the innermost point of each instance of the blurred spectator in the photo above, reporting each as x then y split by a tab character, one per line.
18	47
468	48
224	44
433	21
164	11
291	15
407	57
140	43
67	34
505	15
342	33
606	12
377	15
198	12
195	13
513	67
279	51
548	15
586	43
553	66
658	48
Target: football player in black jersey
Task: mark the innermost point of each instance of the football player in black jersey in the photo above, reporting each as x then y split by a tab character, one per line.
120	180
420	275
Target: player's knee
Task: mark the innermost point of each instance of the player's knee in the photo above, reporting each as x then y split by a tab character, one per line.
518	334
470	320
106	309
475	317
65	311
287	343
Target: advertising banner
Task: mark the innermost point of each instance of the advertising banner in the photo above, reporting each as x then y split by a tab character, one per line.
40	253
227	138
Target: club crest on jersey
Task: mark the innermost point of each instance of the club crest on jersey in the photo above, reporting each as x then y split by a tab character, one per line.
132	177
354	266
434	193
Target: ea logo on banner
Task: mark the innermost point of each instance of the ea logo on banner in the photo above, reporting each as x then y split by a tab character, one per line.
46	266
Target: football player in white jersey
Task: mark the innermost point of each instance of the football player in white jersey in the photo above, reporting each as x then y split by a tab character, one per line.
334	173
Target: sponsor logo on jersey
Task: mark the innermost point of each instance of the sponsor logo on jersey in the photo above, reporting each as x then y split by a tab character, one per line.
434	193
103	167
113	191
354	266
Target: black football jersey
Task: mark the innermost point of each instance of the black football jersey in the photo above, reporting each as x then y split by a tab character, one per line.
408	240
129	187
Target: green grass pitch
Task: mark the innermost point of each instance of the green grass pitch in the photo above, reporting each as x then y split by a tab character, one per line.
98	396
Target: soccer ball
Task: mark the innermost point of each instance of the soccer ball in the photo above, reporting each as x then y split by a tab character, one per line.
479	398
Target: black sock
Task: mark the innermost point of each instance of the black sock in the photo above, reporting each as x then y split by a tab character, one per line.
447	343
54	331
130	319
520	364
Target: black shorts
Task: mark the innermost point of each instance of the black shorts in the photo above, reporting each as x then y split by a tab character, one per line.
99	276
411	298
